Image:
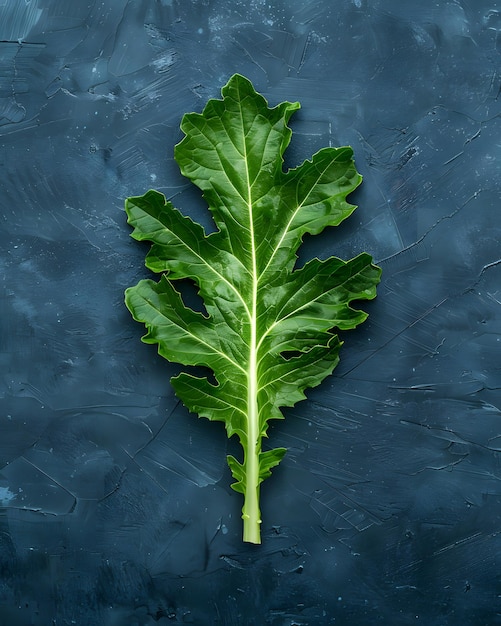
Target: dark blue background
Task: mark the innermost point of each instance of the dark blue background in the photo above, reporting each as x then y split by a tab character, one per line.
115	502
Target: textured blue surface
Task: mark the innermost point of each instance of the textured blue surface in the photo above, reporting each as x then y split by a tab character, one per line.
115	506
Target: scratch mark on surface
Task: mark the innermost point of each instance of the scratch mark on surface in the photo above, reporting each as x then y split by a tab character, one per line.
144	471
248	54
430	229
303	57
396	335
457	543
484	269
73	496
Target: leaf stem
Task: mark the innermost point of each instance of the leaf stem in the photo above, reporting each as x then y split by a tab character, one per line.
250	512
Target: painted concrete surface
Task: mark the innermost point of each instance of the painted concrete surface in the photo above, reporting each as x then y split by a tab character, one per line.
115	505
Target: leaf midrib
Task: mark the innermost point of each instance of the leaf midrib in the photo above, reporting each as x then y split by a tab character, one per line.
253	446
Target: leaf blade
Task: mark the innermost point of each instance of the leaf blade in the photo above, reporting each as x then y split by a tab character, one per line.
269	332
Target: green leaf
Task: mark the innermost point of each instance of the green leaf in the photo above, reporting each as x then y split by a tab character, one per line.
268	330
